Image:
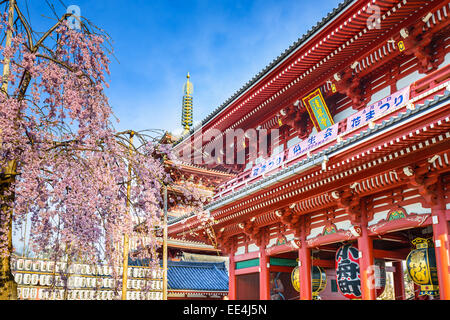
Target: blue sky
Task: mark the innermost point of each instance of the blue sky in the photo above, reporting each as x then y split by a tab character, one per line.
222	43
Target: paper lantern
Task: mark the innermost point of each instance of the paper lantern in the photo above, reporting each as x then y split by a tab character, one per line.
33	293
348	276
20	264
25	292
34	279
18	278
28	264
319	280
41	294
36	265
43	266
26	278
105	270
421	265
99	270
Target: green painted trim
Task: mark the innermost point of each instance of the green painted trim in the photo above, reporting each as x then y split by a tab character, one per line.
247	264
283	262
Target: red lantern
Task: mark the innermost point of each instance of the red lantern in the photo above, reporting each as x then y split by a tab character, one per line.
348	276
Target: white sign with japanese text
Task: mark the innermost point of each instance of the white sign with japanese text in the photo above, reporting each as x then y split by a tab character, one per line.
267	165
379	108
313	142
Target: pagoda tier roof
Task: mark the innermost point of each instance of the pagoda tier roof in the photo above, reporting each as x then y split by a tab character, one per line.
191	245
196	169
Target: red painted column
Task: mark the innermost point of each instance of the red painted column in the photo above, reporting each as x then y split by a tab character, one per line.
399	283
232	277
304	258
366	259
304	261
264	278
441	242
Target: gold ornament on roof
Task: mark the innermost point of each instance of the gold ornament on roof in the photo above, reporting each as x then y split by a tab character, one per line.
187	104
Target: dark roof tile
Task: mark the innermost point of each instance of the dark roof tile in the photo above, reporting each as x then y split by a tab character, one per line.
191	275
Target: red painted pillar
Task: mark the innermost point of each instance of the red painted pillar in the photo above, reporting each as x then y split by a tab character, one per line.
366	259
264	279
441	242
304	262
304	255
232	277
399	283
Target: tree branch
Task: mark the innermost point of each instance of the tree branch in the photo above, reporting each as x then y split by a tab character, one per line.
49	32
25	25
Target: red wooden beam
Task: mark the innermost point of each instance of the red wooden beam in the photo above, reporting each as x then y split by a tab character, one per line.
288	247
393	238
410	222
281	269
324	263
396	255
247	270
246	256
339	236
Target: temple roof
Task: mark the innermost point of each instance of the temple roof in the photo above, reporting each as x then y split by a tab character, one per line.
317	158
340	8
192	168
198	276
190	245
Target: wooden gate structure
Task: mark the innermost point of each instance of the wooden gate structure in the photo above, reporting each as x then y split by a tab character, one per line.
361	104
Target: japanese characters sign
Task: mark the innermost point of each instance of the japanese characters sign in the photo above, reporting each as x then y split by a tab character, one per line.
347	272
267	165
318	110
313	142
384	106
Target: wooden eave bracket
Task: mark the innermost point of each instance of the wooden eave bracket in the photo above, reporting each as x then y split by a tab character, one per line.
350	202
424	179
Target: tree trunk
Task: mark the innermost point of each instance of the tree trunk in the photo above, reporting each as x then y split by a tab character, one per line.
8	287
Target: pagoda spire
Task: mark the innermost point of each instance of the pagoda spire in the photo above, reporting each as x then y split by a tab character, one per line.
187	105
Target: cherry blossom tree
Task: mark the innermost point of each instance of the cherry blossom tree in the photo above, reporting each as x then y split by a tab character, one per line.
64	167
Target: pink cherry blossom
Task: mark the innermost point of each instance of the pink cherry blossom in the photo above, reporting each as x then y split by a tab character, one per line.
72	165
